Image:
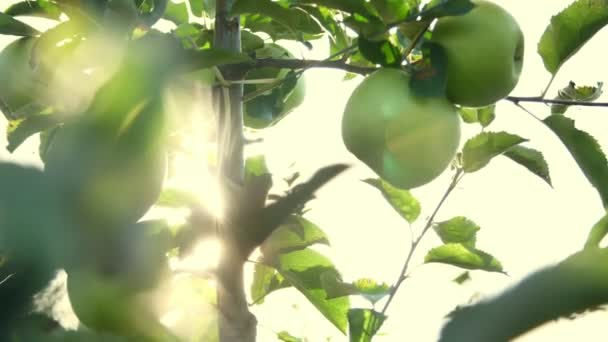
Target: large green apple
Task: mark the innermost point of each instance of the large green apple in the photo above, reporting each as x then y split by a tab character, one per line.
406	139
484	50
108	163
264	110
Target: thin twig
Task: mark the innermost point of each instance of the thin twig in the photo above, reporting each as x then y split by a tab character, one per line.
538	99
528	112
548	85
429	223
297	64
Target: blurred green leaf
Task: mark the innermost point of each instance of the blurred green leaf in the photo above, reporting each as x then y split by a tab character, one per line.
34	8
401	200
574	285
250	41
177	198
442	8
479	150
462	278
531	159
459	255
19	130
287	337
14	27
256	166
176	13
585	150
363	324
570	30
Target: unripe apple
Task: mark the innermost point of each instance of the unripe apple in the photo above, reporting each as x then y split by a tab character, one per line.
484	50
408	140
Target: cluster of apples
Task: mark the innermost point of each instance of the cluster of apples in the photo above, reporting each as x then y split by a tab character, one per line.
409	140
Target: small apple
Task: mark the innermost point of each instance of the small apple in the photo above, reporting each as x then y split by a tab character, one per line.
406	139
261	112
484	50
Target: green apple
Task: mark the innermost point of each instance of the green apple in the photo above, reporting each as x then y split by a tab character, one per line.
109	162
103	181
263	111
484	50
406	139
118	283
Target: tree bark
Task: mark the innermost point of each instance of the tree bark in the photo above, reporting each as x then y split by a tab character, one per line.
236	323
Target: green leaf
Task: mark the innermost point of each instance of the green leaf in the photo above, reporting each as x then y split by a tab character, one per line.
367	288
531	159
197	7
176	198
585	150
483	115
381	52
19	130
297	21
462	278
459	255
287	337
479	150
371	290
39	8
395	10
363	324
326	17
576	93
297	233
457	230
256	166
265	281
250	41
597	233
578	283
303	269
442	8
12	26
430	75
570	30
401	200
176	13
361	7
365	26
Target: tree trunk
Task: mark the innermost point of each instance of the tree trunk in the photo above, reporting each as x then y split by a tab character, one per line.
236	323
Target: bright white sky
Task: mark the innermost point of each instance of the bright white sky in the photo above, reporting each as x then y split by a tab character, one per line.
525	223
